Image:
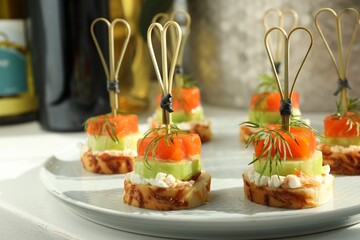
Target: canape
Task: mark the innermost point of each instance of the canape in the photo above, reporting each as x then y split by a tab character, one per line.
112	138
188	113
111	144
287	170
341	143
167	173
264	106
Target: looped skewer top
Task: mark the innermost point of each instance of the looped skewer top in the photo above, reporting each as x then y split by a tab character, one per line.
160	18
285	94
340	65
186	33
280	23
112	71
165	79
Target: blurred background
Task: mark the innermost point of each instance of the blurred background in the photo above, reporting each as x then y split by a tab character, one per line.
227	51
64	82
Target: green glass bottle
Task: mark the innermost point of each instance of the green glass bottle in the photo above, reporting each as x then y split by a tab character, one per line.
18	102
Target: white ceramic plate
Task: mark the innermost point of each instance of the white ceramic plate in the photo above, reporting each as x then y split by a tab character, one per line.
228	215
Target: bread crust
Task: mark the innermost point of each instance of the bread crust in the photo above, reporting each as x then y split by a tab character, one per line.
342	160
294	198
104	163
202	128
246	132
157	198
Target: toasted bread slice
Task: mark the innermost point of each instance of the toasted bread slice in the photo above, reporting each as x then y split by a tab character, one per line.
158	198
246	132
310	194
106	163
342	160
203	129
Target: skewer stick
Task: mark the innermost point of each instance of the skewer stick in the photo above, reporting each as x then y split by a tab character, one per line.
340	65
112	71
286	93
280	23
165	79
185	27
161	18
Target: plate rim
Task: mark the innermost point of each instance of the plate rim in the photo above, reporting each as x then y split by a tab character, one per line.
346	211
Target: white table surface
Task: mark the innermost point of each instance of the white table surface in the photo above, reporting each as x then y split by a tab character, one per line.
28	211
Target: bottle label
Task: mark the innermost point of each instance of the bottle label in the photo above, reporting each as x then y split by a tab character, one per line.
13	78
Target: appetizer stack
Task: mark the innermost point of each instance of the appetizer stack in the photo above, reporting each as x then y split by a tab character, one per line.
188	113
264	108
265	102
112	138
167	174
341	142
287	169
111	144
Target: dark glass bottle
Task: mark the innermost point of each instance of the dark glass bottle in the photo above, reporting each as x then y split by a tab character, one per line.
69	78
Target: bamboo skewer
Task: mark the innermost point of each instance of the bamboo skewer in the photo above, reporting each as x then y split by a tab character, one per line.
280	23
285	94
166	78
112	69
340	65
163	17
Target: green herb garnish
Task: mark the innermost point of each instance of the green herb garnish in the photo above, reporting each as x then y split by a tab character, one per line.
353	105
267	84
103	123
188	81
274	142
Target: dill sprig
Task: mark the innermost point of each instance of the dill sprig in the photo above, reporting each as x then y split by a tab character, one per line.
352	123
267	84
260	103
184	81
352	120
353	106
105	125
166	133
274	142
188	81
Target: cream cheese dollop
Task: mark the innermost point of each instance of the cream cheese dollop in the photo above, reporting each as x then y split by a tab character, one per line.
162	180
126	152
275	181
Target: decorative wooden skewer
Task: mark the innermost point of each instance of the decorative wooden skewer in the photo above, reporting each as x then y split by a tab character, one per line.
280	23
285	94
340	66
112	72
161	17
165	80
